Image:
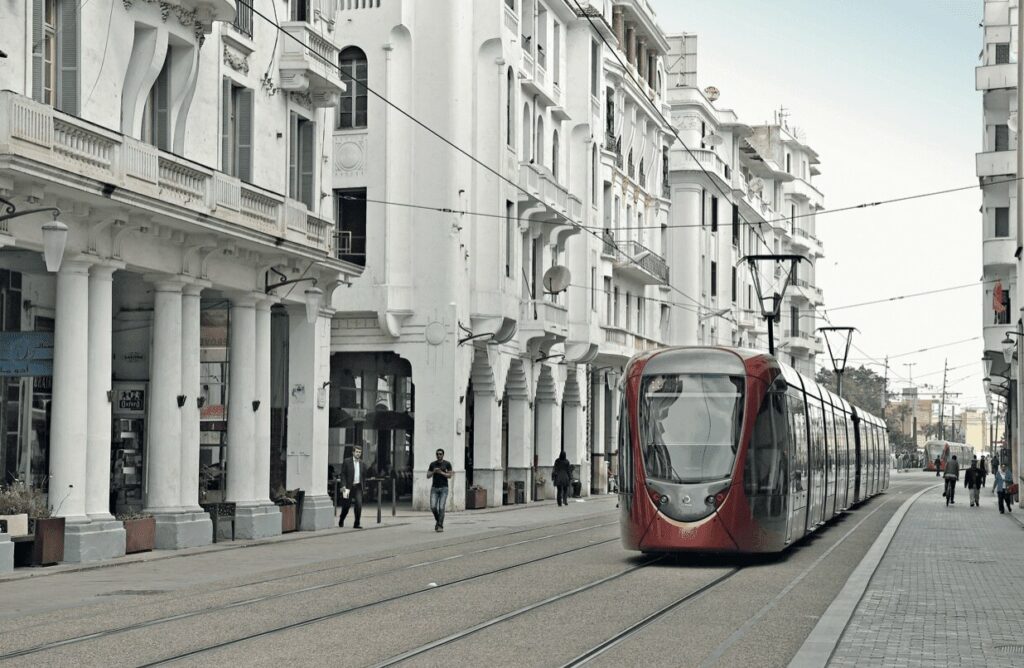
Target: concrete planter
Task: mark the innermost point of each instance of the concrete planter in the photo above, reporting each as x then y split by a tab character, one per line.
288	517
139	535
476	498
46	546
17	525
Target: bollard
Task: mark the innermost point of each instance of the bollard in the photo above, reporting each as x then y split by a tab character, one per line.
379	500
394	497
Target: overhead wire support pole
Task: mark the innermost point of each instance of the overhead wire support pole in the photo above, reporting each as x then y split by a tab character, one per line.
942	403
1019	450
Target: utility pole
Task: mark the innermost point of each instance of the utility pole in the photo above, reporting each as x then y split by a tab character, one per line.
1019	408
885	387
942	402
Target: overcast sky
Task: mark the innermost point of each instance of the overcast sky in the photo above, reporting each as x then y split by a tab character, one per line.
885	92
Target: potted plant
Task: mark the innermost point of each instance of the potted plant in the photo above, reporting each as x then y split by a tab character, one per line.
286	503
139	531
15	502
476	498
43	544
538	487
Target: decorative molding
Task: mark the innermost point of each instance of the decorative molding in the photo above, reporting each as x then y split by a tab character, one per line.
186	17
350	154
304	98
236	61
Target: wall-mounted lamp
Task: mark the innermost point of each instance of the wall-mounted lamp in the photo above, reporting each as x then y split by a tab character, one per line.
181	400
200	402
55	233
255	405
110	396
314	295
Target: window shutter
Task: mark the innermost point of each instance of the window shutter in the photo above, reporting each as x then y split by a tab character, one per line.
69	56
243	126
293	160
37	50
306	165
226	162
163	115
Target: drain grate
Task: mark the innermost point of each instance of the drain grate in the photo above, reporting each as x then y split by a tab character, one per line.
1011	649
134	592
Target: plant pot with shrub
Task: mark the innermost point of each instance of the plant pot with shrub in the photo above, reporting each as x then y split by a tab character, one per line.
43	544
139	532
288	505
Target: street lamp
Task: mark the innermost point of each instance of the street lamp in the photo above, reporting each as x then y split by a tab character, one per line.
771	313
55	233
314	295
838	364
1009	346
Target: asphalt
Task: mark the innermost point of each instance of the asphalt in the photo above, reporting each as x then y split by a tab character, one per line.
365	597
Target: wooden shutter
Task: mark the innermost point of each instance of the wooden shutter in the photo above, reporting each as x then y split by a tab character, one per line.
243	128
226	148
163	105
67	40
306	163
293	153
37	50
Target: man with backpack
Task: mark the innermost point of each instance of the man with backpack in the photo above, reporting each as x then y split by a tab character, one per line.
972	481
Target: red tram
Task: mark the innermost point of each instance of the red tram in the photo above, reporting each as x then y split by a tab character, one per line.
943	450
725	450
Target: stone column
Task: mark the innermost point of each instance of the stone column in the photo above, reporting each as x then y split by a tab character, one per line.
487	470
254	517
549	439
163	454
630	46
308	401
261	468
618	25
686	200
520	441
573	434
101	322
69	413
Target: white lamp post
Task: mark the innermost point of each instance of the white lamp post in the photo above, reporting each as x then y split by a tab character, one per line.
55	233
314	296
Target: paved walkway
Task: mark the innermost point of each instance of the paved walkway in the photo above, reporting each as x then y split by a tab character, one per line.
948	591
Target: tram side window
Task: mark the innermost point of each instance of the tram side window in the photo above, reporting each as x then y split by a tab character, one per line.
798	440
625	449
766	467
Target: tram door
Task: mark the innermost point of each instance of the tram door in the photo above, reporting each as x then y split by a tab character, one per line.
797	416
816	475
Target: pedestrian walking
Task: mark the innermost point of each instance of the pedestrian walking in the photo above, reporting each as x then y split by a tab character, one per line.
353	472
938	467
1003	480
983	467
952	475
441	472
972	481
561	477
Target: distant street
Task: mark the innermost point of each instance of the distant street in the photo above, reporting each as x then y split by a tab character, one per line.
540	586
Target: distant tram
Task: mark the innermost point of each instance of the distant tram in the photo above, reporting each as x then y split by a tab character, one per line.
944	450
726	450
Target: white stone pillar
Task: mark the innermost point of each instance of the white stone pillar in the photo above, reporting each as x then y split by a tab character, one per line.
549	440
69	415
487	470
191	387
255	516
309	369
261	462
684	241
163	454
520	442
572	436
101	323
597	408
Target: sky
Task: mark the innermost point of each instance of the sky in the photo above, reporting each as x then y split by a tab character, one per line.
884	90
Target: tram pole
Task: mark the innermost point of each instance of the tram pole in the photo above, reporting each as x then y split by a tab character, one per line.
1019	450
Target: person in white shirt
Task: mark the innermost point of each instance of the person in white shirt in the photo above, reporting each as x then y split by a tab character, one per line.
352	474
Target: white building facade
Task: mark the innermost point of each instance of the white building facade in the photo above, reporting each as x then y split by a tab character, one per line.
188	149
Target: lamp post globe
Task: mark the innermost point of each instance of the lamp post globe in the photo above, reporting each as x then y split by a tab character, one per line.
1008	346
55	238
314	297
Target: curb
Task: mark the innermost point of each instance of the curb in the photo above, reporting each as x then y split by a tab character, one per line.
823	639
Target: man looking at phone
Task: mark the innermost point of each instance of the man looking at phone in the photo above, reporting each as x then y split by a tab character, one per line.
440	471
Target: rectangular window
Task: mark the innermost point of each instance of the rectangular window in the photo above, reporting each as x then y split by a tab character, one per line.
352	105
350	215
734	286
714	278
301	159
714	214
55	53
556	51
595	68
243	18
735	225
615	307
511	229
50	71
703	207
156	126
593	289
609	307
641	315
236	130
665	324
1002	138
794	321
1002	54
1002	222
629	312
299	10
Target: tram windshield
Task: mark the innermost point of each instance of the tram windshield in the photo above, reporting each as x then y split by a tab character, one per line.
690	425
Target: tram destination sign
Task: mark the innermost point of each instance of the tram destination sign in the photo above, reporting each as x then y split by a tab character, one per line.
26	353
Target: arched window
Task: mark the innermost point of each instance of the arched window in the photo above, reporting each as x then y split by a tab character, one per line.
509	107
554	153
352	107
538	148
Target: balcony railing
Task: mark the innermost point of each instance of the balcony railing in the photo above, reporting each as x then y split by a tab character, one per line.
39	132
243	19
309	64
634	257
700	160
511	20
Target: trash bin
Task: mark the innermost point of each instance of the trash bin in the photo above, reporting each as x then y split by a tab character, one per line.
520	491
577	489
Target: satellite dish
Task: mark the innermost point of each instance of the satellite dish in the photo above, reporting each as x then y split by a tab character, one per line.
506	331
713	139
712	93
556	279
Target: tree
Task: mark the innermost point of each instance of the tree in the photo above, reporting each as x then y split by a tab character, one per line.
862	387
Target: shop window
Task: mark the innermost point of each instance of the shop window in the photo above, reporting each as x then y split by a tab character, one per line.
350	209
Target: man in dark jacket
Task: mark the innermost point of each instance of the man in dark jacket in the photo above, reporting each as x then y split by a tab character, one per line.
353	473
561	477
938	467
972	481
952	475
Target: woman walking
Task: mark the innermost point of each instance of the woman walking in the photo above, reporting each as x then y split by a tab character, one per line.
1004	478
561	476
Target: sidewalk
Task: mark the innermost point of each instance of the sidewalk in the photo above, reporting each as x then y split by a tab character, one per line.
948	590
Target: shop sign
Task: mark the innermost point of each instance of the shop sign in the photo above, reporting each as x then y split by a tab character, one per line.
131	401
26	353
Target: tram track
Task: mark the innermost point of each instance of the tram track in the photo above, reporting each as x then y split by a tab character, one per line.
104	633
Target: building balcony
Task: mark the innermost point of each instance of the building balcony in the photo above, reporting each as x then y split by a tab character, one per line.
746	319
805	243
511	21
546	190
799	344
700	160
996	163
999	253
803	190
541	320
992	77
308	65
803	290
95	159
994	336
639	263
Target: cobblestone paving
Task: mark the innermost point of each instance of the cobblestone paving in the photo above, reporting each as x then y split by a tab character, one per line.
947	593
